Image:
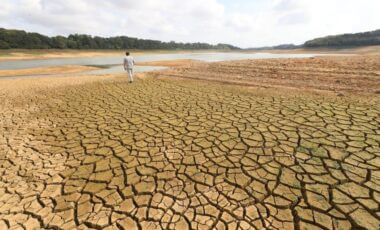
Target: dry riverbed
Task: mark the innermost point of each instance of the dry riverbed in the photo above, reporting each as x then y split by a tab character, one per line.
352	74
178	153
46	70
8	55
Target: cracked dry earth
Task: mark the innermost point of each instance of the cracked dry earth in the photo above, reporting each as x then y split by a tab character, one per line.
181	154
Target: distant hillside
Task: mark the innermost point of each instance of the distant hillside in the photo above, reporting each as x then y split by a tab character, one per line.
19	39
279	47
346	40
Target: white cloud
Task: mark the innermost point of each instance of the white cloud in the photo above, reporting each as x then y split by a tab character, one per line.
245	23
6	9
240	21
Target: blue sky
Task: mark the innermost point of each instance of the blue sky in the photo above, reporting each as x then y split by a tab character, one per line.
245	23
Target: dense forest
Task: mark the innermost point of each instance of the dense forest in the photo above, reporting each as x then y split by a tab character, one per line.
338	41
19	39
346	40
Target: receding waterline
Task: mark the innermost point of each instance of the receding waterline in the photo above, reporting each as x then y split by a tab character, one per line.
111	65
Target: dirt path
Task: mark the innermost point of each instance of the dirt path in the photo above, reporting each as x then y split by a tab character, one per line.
99	153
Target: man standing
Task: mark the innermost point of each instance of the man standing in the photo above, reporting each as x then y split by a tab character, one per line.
129	62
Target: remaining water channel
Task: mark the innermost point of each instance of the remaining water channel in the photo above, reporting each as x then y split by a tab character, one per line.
112	64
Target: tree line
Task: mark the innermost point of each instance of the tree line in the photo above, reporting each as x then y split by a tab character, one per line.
346	40
19	39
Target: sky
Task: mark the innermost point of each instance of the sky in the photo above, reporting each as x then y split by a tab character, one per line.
244	23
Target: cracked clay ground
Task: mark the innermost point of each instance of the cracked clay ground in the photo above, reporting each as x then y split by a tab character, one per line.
181	154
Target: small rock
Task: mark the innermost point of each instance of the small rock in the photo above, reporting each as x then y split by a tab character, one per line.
340	94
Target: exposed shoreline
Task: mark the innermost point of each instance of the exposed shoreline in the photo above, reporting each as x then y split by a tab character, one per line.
12	55
17	54
46	70
76	151
358	75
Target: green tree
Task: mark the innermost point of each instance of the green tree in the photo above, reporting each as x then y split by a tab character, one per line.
59	42
4	45
23	40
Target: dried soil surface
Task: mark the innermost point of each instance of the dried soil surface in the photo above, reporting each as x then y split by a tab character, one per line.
98	153
46	70
338	74
8	55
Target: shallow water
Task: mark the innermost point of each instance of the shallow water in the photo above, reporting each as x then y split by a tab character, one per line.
117	60
210	57
112	69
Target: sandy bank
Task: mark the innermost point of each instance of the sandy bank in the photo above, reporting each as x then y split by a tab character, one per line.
46	70
355	74
8	55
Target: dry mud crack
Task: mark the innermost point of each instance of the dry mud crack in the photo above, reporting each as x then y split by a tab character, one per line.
162	154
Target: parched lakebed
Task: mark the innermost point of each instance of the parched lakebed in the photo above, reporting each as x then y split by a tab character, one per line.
97	152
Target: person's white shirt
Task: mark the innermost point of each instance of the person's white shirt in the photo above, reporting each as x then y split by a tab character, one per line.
129	62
